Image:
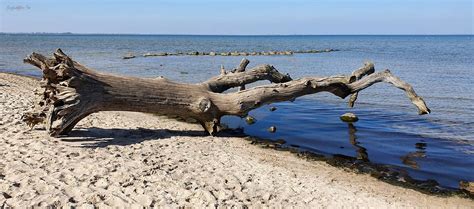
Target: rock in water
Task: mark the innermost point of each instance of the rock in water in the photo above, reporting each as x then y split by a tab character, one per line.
250	120
349	117
272	129
128	56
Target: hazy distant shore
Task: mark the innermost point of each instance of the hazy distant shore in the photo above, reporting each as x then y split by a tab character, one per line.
117	158
190	34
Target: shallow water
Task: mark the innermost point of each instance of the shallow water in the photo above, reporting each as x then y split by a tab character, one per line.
438	146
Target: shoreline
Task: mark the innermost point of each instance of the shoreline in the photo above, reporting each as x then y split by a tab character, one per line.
230	35
117	158
382	172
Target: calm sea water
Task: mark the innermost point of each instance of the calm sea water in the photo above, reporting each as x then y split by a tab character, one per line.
438	146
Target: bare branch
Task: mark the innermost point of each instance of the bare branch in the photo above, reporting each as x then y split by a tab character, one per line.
230	80
240	103
73	91
388	77
368	69
243	64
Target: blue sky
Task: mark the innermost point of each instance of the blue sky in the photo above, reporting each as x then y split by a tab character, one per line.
239	16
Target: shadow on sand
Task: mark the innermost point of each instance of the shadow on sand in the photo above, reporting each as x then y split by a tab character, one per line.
101	137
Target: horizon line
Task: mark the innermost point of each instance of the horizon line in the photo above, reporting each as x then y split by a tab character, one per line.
190	34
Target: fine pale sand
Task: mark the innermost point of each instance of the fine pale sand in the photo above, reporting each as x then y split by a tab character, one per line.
123	159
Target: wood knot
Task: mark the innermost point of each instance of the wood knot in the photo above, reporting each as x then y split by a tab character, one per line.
352	79
205	104
257	103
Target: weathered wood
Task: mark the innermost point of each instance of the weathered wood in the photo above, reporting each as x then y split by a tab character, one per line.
368	69
72	92
243	64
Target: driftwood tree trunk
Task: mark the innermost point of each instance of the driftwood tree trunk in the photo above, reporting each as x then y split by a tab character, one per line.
73	91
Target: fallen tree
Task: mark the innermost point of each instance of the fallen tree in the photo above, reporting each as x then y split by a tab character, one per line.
71	91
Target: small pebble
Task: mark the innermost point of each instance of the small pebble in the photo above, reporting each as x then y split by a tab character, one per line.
272	129
250	120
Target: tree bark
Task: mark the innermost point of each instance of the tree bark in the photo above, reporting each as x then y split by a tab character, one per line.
73	91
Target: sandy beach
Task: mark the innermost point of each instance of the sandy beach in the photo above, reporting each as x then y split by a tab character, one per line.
134	159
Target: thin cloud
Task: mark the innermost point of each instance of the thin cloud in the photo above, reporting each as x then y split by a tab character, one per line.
18	7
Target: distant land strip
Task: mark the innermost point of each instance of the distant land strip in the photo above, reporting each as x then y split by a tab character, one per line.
235	53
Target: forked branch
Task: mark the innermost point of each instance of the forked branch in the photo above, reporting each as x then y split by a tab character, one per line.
240	103
72	91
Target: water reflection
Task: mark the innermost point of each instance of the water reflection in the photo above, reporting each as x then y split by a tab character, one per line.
361	151
410	158
369	141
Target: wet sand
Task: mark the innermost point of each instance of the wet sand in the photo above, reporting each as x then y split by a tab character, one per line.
135	159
